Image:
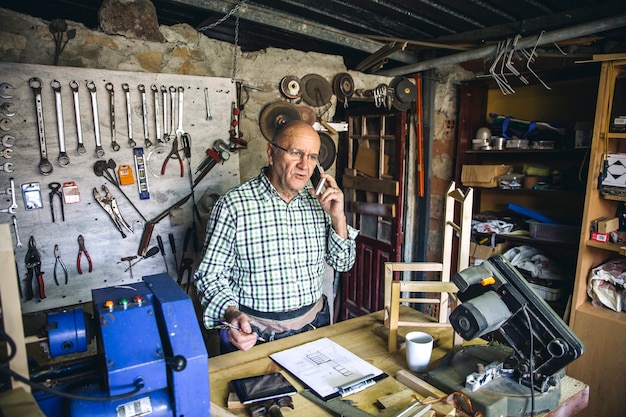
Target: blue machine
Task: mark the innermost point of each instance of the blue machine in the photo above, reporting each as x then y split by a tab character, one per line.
149	346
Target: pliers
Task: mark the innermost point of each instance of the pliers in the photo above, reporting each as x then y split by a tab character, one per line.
33	266
55	190
59	261
81	250
174	154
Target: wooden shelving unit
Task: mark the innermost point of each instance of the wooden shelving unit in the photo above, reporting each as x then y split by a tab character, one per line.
603	331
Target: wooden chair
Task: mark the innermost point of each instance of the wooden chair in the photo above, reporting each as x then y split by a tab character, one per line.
395	289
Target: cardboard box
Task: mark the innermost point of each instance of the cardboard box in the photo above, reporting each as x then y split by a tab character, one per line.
616	171
608	225
483	175
479	253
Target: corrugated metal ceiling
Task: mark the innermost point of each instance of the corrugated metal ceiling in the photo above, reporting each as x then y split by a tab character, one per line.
414	30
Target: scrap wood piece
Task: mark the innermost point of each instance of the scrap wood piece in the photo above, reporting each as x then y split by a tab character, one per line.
401	398
418	385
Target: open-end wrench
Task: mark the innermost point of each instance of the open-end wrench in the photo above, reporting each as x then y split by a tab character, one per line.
157	112
172	90
207	104
4	109
6	153
165	118
4	124
63	159
110	89
144	113
18	242
129	117
11	190
45	167
91	86
6	167
79	130
181	99
3	90
7	141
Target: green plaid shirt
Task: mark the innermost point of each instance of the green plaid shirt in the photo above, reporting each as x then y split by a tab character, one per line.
267	254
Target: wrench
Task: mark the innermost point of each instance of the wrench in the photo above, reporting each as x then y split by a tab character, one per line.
114	144
6	167
4	109
11	190
3	90
91	86
4	124
206	103
6	139
6	153
45	167
131	141
17	232
144	113
79	131
63	159
165	119
172	106
179	129
157	112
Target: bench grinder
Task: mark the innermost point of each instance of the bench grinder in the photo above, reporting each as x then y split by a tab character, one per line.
151	358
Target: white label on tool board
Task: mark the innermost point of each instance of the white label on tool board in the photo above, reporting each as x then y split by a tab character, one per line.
135	408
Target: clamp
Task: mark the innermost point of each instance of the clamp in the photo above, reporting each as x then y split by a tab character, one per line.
109	204
55	190
58	261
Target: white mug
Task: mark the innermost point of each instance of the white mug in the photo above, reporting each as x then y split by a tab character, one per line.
419	346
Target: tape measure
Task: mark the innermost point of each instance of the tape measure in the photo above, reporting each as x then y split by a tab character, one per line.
142	179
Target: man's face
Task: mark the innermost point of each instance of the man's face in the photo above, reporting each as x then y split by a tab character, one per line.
288	174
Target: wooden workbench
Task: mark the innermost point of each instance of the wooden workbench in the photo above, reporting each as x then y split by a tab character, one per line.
356	335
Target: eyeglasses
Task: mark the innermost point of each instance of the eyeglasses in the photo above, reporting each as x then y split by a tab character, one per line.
298	155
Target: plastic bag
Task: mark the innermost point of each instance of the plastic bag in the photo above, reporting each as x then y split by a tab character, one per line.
509	127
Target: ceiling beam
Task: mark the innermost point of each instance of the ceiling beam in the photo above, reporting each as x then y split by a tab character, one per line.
490	51
297	25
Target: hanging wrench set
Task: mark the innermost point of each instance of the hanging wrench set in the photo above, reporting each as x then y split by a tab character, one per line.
61	129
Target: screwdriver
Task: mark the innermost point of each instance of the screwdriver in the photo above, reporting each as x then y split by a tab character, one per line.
151	252
162	249
170	236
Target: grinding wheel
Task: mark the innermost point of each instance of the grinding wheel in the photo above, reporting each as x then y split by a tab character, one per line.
317	90
343	86
307	114
291	86
276	114
328	151
403	93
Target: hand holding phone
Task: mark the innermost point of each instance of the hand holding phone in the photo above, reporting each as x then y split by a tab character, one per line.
317	180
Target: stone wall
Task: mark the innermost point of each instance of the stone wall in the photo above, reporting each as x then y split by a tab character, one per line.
25	39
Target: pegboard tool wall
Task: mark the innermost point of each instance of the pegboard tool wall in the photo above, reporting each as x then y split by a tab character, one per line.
103	241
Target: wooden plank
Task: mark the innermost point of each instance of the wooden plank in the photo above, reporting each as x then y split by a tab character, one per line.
372	209
11	309
374	185
418	385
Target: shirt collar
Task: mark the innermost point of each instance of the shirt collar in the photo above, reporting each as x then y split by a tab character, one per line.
268	190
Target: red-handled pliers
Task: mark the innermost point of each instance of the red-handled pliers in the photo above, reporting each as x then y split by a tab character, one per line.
174	154
81	250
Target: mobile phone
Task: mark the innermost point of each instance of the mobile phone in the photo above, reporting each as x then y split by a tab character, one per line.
317	180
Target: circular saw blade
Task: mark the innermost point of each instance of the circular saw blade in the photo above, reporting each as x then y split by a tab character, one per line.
403	93
317	91
307	114
343	86
275	115
328	151
291	86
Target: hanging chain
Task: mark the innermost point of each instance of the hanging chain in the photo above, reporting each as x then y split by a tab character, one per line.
221	20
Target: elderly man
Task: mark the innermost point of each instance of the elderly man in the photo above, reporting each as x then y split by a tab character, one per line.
267	244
